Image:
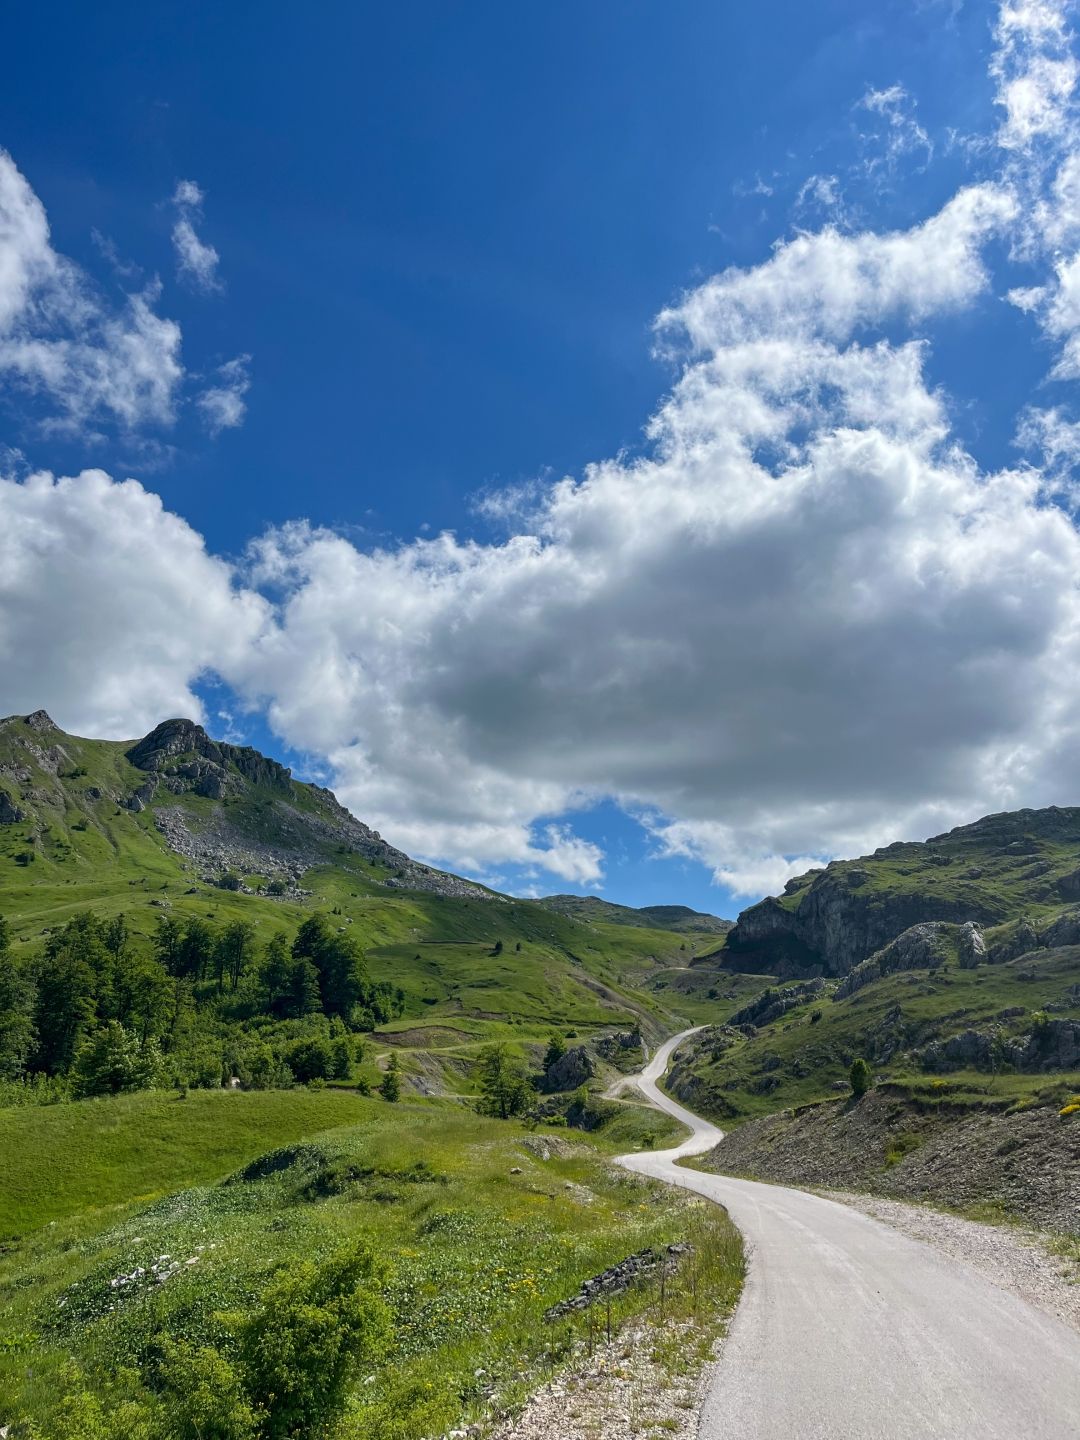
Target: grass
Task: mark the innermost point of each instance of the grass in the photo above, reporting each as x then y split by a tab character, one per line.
798	1060
480	1236
77	1158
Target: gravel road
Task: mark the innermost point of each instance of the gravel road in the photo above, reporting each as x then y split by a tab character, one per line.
850	1330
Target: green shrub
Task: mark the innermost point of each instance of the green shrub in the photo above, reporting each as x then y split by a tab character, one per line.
206	1398
315	1327
861	1077
113	1060
390	1089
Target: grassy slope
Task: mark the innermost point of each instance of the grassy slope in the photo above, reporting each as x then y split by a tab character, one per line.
797	1059
973	864
76	1158
555	970
661	917
475	1251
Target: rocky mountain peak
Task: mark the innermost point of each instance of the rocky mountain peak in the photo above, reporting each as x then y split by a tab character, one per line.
172	737
40	721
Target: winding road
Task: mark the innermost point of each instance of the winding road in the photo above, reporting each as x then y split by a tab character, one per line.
849	1330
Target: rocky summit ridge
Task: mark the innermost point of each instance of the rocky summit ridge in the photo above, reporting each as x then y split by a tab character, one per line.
228	810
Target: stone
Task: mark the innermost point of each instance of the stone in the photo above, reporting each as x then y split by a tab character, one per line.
571	1070
10	814
970	946
1063	930
919	947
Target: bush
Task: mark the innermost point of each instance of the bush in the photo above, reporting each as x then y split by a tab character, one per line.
205	1395
861	1077
315	1327
504	1088
390	1089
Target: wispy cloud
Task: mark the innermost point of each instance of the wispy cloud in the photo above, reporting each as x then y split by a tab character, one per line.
222	404
196	261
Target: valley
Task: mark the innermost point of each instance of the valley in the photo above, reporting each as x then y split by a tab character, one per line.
253	1056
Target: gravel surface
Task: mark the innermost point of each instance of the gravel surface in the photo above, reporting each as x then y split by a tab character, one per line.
1015	1260
619	1394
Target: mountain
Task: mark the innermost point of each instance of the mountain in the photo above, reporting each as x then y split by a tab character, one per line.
679	918
225	809
180	825
1003	868
952	966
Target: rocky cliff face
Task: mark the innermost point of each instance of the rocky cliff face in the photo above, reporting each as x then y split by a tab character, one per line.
829	921
184	756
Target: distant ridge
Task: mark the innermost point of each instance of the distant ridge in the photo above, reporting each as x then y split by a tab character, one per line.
654	917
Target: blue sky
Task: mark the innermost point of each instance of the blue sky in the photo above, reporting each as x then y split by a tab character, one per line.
430	246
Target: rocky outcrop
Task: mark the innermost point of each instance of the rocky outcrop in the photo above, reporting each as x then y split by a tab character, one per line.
831	920
771	1004
922	947
10	814
187	759
1019	939
571	1070
1052	1045
1062	930
969	1050
970	946
615	1047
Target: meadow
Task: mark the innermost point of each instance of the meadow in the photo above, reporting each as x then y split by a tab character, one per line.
146	1222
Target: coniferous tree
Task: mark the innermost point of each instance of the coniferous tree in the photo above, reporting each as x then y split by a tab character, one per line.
16	1001
390	1089
504	1086
275	971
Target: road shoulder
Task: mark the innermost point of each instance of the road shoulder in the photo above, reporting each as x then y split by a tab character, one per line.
1023	1262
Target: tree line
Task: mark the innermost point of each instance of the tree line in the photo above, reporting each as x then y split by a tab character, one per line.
98	1010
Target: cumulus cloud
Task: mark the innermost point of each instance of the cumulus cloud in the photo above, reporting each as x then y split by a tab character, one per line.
805	621
196	261
1035	71
61	340
110	606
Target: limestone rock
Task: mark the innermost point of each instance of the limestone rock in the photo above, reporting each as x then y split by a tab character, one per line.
571	1070
10	814
917	948
970	946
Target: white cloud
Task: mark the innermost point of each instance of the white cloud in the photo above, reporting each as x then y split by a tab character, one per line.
900	135
59	338
1035	71
804	622
196	261
222	404
110	606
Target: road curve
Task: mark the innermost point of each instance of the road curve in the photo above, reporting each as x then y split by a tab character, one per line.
848	1330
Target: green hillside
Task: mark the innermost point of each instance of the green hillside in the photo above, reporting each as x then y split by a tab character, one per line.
178	834
447	1234
1022	864
678	918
